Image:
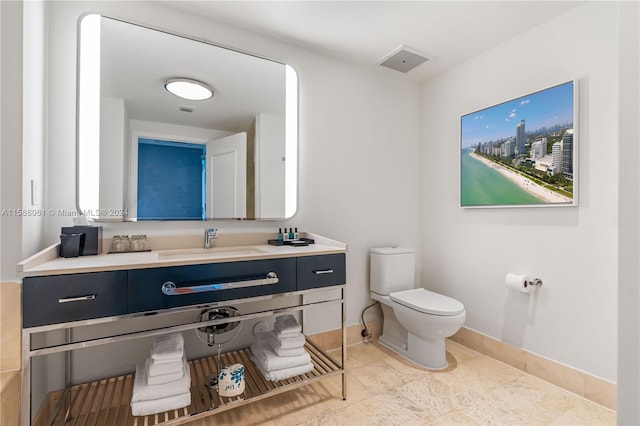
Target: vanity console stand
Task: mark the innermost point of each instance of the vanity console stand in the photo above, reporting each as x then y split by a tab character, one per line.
64	295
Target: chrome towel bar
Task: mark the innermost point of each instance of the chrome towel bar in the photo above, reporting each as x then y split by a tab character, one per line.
169	288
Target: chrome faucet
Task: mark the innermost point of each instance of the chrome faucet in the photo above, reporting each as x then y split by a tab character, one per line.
209	235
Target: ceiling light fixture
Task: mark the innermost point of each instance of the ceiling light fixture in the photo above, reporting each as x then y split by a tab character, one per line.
187	88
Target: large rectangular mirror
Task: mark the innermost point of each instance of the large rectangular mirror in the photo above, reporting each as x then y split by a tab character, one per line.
145	153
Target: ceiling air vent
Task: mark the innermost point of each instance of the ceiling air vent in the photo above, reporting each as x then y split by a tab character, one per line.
403	59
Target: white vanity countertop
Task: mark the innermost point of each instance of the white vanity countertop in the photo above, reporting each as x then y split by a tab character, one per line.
46	262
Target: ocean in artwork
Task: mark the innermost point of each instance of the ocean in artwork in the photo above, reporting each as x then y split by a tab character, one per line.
482	185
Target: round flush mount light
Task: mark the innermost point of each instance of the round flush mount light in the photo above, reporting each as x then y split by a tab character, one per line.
187	88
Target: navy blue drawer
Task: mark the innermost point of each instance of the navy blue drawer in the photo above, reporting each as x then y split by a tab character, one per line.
321	271
145	285
65	298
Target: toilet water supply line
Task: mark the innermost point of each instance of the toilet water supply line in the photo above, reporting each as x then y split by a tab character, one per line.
365	332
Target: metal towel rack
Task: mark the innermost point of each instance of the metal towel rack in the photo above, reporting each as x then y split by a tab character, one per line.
169	288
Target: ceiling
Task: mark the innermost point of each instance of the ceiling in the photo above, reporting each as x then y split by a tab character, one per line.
365	32
134	70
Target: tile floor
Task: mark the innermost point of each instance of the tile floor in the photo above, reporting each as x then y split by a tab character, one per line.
385	389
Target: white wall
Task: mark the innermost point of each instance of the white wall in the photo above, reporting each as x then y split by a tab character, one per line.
628	409
11	78
113	134
269	166
34	129
467	252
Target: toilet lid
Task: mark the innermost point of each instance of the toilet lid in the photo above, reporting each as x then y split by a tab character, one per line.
428	302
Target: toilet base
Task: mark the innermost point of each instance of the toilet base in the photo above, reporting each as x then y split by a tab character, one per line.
429	354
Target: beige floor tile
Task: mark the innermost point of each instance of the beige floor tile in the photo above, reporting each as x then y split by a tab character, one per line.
488	409
465	381
332	388
586	413
492	370
352	416
452	418
381	376
384	409
366	353
327	418
299	409
540	401
432	396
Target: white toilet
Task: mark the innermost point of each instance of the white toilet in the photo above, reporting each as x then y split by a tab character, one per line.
416	321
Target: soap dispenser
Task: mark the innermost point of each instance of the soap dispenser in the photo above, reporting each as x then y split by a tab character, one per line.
209	235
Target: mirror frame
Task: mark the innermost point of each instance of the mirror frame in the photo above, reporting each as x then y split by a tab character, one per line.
292	132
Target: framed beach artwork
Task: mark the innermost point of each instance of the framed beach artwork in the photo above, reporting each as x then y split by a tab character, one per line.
521	152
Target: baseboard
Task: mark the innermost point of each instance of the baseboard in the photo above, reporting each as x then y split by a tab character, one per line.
332	339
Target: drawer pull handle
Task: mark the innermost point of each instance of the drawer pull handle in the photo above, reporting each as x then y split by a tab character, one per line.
323	271
77	299
170	289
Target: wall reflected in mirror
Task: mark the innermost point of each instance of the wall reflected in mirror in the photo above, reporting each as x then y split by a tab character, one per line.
146	154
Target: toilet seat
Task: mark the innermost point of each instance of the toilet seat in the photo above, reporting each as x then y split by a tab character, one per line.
428	302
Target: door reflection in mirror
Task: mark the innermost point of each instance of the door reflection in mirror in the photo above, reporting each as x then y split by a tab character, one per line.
171	180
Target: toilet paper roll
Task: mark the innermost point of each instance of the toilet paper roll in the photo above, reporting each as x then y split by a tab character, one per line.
518	282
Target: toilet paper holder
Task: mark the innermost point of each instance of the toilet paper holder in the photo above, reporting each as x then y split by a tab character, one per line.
534	282
521	282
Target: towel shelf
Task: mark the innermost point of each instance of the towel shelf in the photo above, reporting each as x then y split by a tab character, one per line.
106	402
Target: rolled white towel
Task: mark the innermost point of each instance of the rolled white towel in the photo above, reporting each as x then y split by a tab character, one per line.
269	360
286	325
285	373
260	327
155	368
143	391
291	342
168	348
153	406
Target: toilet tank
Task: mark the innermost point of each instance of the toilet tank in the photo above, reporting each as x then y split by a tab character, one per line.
392	269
